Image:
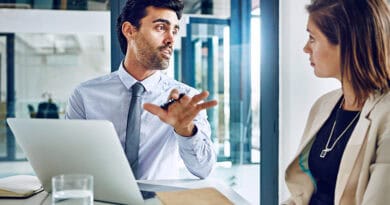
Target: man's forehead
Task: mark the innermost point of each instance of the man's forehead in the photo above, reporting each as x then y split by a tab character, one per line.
153	14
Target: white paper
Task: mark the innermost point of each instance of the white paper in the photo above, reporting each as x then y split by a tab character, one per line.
20	183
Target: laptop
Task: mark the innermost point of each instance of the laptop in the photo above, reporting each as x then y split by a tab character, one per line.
55	147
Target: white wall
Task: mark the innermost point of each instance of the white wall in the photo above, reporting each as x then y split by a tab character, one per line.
54	21
299	87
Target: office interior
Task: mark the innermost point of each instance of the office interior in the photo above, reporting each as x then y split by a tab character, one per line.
247	54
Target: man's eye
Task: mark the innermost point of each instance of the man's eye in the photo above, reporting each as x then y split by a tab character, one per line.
160	27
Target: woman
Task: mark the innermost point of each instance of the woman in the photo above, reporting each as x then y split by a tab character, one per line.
344	155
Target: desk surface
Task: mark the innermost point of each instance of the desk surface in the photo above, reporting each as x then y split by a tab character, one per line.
44	198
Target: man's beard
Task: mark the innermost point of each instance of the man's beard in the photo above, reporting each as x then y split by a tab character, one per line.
150	57
156	61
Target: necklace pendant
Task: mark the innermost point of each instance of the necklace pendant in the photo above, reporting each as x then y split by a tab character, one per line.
324	152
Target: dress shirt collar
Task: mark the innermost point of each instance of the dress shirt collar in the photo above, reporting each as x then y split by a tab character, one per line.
128	80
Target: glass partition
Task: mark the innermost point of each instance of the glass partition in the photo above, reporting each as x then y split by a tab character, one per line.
49	66
3	103
206	65
207	61
41	64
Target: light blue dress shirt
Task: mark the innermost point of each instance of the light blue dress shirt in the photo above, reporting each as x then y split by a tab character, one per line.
108	98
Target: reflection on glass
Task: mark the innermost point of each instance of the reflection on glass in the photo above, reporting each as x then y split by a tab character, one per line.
91	5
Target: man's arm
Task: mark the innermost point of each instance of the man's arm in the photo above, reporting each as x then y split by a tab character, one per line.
197	151
75	108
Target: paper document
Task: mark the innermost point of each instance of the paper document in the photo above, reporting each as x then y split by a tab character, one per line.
19	186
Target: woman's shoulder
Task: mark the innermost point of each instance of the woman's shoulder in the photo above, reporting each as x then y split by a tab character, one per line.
386	97
382	104
331	96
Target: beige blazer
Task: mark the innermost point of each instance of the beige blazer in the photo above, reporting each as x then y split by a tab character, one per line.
364	174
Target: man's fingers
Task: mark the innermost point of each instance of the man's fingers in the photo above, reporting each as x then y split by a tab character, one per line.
183	111
185	100
155	110
174	94
207	105
199	97
191	114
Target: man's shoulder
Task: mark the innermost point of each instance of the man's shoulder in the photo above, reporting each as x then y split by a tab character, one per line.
100	80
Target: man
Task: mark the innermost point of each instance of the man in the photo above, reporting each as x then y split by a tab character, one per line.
146	31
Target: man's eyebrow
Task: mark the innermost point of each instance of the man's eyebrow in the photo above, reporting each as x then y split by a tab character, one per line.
166	22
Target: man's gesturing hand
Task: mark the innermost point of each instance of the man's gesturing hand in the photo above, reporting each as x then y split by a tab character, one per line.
181	113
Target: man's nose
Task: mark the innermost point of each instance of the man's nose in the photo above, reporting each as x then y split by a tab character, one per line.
169	38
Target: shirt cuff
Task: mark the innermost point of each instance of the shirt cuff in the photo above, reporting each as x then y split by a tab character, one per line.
190	142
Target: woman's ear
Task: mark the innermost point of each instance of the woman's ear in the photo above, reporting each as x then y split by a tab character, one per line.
128	30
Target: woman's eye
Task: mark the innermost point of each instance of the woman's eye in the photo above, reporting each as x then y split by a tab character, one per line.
311	39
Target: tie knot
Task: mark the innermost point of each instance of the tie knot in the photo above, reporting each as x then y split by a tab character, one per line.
137	89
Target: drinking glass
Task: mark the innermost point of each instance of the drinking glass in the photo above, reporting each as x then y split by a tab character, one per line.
72	189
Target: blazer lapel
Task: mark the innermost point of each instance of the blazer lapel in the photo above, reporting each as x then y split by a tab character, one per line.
321	116
353	147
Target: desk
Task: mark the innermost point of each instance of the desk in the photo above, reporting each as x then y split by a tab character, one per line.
44	198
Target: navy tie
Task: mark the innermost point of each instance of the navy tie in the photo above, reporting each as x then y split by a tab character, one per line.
133	127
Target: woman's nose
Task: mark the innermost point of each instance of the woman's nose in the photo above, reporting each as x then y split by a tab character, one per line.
306	48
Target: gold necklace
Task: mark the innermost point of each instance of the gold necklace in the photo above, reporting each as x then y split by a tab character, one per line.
327	148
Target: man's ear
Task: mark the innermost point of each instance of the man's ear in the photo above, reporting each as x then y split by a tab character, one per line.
128	30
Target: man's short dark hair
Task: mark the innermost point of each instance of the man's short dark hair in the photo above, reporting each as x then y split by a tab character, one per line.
135	10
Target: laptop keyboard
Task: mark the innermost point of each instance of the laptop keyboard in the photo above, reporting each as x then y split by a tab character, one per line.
148	194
